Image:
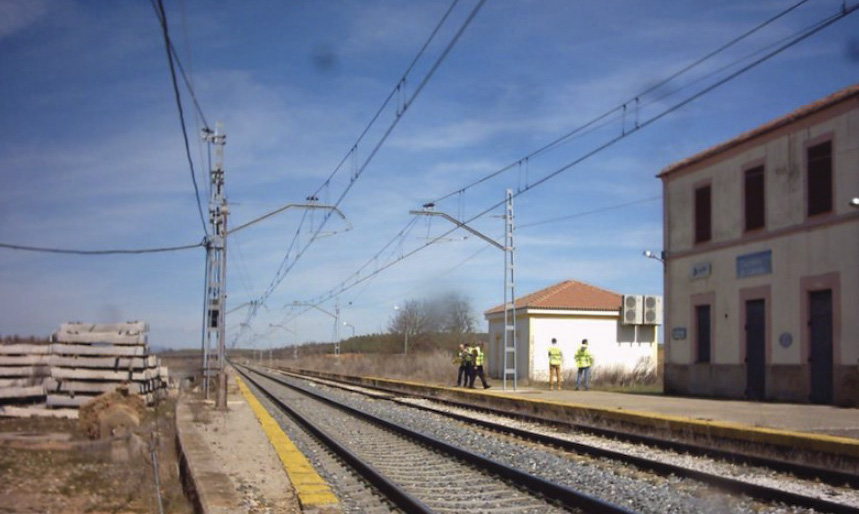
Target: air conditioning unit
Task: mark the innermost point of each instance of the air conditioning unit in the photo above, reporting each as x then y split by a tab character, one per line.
652	310
632	310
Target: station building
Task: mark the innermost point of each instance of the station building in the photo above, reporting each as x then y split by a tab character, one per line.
570	311
761	252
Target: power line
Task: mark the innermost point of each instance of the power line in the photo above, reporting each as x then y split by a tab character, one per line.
588	213
390	97
162	17
798	37
100	252
599	120
356	175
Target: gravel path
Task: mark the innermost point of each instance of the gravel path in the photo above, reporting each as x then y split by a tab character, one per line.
240	447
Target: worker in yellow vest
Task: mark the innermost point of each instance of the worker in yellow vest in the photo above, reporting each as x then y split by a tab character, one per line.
459	359
556	358
584	361
479	357
468	363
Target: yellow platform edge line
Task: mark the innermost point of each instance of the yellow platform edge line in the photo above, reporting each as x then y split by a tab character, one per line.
801	440
311	489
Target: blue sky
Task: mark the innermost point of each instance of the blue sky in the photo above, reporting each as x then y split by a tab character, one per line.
92	155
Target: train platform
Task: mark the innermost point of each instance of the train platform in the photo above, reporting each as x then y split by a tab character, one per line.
820	429
800	418
225	452
239	461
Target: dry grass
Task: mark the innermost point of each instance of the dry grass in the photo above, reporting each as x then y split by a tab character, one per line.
435	367
438	368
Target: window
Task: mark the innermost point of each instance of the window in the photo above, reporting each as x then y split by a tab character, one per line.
819	179
754	198
703	214
702	333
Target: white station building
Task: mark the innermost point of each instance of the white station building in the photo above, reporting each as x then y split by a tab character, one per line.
571	311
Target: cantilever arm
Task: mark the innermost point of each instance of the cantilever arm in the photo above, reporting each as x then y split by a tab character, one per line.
289	206
462	225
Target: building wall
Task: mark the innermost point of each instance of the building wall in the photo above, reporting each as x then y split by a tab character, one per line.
613	345
806	254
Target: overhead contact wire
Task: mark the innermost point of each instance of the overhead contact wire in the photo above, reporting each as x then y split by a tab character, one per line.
622	107
801	36
387	133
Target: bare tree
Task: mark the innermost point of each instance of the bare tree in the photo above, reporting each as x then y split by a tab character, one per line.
410	319
451	313
458	315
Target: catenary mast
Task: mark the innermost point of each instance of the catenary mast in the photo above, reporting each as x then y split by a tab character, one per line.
214	333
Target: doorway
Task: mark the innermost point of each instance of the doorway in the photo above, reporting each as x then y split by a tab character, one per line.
820	354
755	349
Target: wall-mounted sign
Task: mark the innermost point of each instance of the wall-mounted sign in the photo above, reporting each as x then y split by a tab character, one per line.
751	264
678	333
700	270
785	339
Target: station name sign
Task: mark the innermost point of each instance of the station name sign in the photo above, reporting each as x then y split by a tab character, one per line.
751	264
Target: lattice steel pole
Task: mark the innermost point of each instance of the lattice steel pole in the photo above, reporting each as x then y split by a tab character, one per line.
510	361
216	269
508	353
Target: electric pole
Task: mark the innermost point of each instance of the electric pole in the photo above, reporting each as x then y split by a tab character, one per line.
336	317
510	365
508	353
216	271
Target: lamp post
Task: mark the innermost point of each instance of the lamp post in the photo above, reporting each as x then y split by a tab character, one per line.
651	255
405	330
350	326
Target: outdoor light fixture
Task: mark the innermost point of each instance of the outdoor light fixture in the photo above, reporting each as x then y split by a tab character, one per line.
651	255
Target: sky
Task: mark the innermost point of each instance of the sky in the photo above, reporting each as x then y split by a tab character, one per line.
92	153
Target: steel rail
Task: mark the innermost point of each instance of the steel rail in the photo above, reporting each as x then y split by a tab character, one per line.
828	476
395	494
569	497
731	485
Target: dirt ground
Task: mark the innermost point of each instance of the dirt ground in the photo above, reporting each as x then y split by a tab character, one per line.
50	466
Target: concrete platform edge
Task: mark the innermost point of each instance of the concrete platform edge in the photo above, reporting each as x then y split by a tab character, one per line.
209	488
838	446
314	493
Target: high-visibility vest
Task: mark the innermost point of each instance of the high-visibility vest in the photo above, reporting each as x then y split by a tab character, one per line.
555	356
466	356
584	359
479	360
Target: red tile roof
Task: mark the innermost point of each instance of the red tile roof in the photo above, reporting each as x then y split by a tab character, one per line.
568	295
805	111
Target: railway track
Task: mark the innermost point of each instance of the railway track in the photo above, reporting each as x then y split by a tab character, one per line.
659	485
826	468
418	473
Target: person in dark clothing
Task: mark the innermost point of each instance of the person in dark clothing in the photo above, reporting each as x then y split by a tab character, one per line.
468	360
